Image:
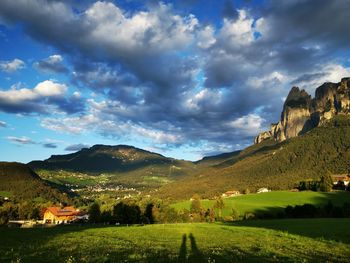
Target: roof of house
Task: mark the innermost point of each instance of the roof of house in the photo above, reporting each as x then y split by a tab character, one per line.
65	211
231	192
341	176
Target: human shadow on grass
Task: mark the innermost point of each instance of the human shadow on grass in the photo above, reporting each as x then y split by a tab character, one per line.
183	249
194	255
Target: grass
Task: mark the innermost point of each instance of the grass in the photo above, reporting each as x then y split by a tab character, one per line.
272	201
311	240
5	194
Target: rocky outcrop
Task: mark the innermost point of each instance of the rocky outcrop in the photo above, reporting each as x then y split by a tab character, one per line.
301	113
262	137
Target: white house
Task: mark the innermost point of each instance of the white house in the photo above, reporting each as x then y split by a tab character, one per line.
263	190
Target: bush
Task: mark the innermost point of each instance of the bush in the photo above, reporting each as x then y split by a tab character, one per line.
235	214
248	215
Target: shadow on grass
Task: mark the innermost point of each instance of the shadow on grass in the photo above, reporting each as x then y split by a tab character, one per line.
334	229
68	244
324	228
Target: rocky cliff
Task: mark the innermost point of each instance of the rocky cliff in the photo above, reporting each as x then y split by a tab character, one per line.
301	113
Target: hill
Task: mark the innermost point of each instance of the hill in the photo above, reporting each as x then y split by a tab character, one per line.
19	182
103	158
111	167
276	165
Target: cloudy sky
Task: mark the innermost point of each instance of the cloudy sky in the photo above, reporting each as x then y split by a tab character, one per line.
184	78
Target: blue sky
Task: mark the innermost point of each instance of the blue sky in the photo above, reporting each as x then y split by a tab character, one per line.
182	78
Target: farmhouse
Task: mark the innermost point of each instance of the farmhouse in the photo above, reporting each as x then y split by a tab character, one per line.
263	190
58	215
345	178
230	193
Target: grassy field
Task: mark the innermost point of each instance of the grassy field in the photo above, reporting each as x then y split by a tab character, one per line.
272	201
5	194
309	240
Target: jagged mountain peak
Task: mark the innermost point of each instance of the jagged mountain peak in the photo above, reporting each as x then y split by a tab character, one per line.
302	113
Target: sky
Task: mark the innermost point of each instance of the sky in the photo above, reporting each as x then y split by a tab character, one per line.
186	79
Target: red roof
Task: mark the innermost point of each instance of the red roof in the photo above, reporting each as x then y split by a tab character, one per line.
65	211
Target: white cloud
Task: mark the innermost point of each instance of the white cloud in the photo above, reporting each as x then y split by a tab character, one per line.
3	124
205	97
74	125
205	38
102	118
55	59
20	140
238	32
49	88
52	64
270	79
43	89
331	72
12	66
249	124
153	31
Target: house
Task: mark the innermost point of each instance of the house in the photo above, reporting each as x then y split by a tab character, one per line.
59	215
345	178
230	193
263	190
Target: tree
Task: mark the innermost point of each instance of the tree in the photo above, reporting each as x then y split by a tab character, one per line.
235	213
219	204
94	213
196	205
149	213
127	214
326	183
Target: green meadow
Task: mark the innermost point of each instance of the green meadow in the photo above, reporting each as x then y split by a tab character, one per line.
306	240
272	201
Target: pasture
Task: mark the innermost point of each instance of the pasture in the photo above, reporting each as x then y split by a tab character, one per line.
271	201
297	240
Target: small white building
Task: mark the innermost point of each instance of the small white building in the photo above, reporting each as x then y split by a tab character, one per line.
263	190
230	194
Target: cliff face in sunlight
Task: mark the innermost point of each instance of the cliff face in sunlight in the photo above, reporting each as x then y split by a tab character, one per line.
301	113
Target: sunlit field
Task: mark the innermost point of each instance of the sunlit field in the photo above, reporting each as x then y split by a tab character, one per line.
298	240
272	201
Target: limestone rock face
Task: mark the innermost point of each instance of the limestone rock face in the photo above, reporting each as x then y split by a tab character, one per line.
301	113
262	137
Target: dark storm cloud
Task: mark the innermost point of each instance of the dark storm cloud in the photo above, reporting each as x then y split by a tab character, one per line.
149	78
76	147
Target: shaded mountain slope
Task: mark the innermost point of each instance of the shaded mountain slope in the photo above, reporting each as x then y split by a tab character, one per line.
24	184
216	159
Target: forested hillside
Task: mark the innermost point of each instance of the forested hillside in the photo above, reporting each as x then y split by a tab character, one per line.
325	149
